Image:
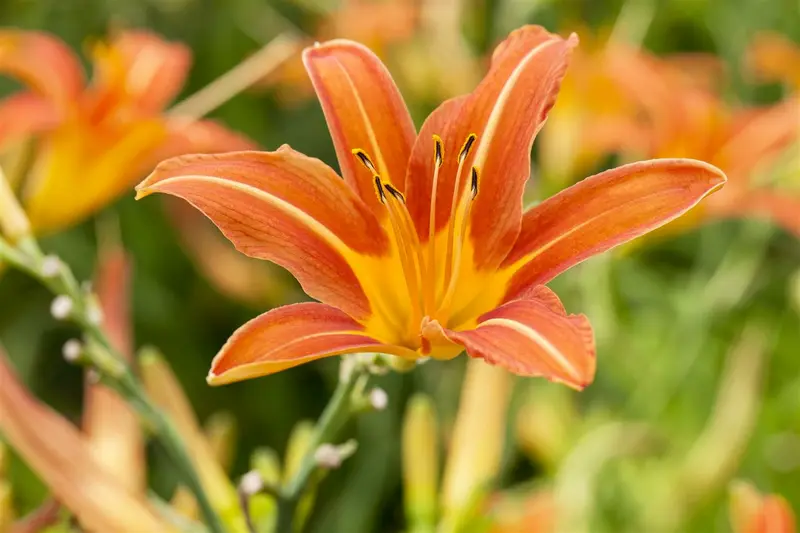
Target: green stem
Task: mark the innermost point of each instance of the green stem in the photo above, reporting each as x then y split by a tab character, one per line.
28	257
336	413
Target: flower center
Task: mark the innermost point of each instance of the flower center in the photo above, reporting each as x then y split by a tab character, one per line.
431	275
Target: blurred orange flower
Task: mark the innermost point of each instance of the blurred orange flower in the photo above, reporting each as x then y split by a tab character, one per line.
93	140
423	248
752	512
98	474
683	117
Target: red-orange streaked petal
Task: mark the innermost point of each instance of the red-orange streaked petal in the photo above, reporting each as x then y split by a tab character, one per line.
604	211
419	175
42	62
110	425
155	68
289	336
365	110
284	207
775	516
24	114
64	460
532	338
505	111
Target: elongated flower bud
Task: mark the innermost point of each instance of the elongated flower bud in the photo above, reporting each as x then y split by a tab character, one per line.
14	224
420	463
478	436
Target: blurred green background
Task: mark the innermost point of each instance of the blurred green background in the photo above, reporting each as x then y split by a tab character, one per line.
667	315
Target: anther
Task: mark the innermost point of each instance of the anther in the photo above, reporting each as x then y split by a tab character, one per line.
438	157
394	192
379	188
365	160
474	183
465	150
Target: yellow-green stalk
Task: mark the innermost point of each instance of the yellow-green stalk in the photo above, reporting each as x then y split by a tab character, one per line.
420	464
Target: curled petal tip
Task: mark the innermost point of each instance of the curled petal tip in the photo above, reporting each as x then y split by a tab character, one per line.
573	40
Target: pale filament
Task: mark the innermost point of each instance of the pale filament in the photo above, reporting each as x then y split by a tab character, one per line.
418	265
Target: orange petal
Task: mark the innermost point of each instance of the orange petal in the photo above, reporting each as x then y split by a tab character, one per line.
284	207
364	110
140	67
289	336
604	211
506	111
758	138
775	516
24	114
110	425
65	461
774	57
42	62
530	338
419	176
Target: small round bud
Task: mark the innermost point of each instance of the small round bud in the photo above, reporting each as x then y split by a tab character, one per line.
328	456
72	350
51	266
61	307
251	483
94	314
378	399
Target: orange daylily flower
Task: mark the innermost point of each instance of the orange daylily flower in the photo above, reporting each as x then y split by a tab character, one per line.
423	249
752	512
683	118
94	139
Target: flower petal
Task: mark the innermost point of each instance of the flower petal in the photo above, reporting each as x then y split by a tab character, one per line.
141	68
364	110
601	212
63	459
531	338
505	111
109	423
24	114
419	175
42	62
284	207
289	336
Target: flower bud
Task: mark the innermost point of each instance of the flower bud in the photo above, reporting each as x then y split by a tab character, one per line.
14	224
420	463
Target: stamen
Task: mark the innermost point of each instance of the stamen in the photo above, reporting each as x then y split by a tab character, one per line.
364	159
458	245
394	192
407	243
379	189
467	147
430	286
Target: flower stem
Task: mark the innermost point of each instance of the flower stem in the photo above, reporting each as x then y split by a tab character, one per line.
115	372
340	407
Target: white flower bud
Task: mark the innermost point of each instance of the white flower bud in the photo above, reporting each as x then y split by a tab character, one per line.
378	399
72	350
51	266
61	307
328	456
251	483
